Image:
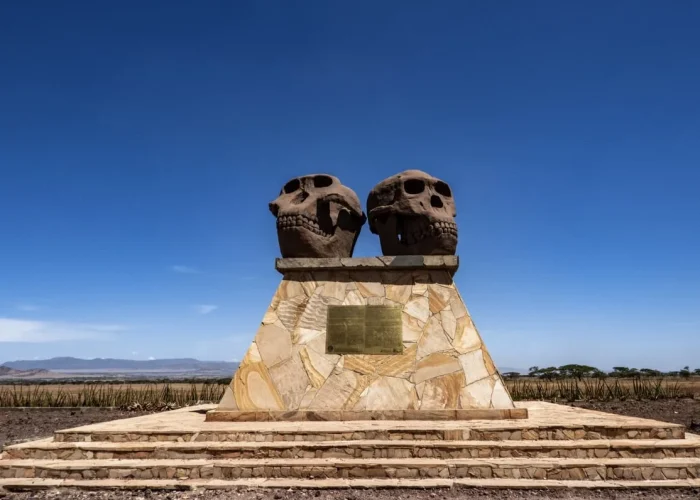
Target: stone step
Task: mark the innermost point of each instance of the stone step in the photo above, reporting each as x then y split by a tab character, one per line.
372	430
212	484
628	448
513	468
545	422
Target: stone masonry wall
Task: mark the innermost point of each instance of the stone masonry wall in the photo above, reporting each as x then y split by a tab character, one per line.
444	365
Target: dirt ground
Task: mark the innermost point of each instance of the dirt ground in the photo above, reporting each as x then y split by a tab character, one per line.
363	494
16	426
37	423
677	411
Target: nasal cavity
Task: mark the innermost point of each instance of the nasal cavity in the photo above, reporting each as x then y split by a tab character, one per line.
436	201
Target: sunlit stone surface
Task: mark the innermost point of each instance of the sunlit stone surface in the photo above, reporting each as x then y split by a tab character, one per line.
444	365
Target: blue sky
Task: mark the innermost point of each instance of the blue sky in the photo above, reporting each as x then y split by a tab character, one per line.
140	143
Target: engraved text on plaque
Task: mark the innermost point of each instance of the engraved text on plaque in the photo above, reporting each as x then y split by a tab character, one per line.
364	330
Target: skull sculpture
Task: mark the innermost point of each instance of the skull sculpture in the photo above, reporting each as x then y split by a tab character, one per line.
317	217
414	214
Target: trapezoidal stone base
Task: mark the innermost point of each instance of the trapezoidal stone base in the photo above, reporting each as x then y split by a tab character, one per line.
441	372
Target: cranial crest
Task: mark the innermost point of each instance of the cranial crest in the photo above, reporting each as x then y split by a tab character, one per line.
414	214
317	217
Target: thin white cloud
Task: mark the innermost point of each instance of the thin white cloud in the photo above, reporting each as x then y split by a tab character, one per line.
27	307
151	358
184	270
20	330
106	328
205	308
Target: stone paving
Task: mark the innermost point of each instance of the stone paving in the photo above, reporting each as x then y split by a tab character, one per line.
556	444
546	422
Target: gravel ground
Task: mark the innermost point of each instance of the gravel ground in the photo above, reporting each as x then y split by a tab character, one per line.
388	494
16	426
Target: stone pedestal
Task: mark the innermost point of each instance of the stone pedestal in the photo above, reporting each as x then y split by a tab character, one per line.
443	372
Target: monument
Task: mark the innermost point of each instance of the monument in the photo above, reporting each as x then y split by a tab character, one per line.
369	338
365	373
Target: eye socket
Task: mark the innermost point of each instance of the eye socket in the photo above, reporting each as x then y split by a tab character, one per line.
291	186
414	186
443	189
382	218
322	181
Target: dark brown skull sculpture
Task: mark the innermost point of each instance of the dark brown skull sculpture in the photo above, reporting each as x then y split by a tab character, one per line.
414	214
317	217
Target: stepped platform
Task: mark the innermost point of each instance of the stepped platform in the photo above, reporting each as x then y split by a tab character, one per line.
557	446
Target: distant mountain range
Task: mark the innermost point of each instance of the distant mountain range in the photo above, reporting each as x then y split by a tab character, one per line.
107	368
69	364
507	369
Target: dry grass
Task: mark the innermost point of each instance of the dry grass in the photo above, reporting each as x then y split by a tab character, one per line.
79	388
603	389
142	396
162	395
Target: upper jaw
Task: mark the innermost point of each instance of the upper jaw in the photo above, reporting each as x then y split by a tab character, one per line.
413	230
301	221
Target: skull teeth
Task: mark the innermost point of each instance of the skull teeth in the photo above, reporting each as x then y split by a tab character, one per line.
435	230
287	222
444	228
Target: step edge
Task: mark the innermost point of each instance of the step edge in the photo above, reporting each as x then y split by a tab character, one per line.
382	425
167	484
311	462
46	444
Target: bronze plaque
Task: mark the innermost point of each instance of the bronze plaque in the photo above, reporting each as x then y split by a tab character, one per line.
364	330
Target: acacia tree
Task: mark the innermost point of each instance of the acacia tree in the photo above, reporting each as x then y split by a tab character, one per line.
548	373
584	371
578	371
624	372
